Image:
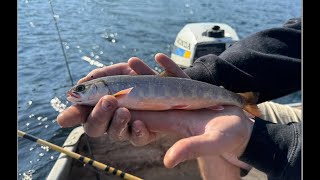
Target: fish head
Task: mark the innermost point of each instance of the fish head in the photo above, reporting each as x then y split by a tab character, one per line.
87	93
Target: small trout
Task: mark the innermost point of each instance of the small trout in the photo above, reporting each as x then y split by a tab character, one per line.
150	92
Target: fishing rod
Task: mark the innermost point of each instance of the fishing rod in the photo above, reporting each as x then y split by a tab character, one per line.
60	39
79	157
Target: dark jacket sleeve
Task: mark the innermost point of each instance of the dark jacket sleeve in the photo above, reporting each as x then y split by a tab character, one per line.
275	149
268	62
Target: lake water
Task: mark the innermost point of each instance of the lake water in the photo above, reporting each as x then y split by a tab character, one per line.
107	32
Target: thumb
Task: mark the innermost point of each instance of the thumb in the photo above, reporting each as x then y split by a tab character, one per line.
191	148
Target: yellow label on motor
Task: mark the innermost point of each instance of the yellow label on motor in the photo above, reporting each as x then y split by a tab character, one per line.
181	52
187	54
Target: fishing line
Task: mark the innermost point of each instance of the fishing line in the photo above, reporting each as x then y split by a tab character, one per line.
63	51
67	65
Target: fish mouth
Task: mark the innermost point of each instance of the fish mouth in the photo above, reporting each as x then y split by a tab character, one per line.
73	94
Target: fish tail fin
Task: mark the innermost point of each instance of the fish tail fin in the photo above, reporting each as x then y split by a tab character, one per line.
253	109
251	99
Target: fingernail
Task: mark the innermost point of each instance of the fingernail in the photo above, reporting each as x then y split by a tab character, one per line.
175	164
122	117
106	106
137	131
60	114
122	121
59	119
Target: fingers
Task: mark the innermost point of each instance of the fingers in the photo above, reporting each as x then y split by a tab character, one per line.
74	115
140	135
183	150
100	116
190	148
140	67
116	69
170	66
164	121
136	66
118	129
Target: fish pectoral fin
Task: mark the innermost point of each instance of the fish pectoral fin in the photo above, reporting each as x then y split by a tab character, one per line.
180	107
123	92
216	108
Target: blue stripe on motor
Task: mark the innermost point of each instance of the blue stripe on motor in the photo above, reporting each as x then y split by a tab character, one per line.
179	52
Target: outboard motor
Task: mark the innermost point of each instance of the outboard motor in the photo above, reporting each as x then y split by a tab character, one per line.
198	39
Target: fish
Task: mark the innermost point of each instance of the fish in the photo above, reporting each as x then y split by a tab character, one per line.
158	93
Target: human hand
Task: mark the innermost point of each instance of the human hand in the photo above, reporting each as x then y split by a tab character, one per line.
215	138
106	116
205	132
115	121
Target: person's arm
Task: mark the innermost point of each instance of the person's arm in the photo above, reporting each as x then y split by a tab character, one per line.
212	132
275	149
268	62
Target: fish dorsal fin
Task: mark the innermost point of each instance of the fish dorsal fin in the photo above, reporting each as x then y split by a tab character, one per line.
251	99
123	92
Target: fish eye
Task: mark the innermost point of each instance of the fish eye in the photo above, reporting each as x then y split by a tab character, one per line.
80	88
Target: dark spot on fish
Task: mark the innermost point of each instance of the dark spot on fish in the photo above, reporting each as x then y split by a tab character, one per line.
92	77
